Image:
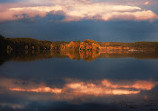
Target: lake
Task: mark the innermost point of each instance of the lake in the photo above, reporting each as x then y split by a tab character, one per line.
78	55
123	83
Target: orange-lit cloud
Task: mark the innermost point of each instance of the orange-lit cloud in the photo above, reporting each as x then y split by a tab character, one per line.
97	90
74	89
75	10
39	90
103	88
146	3
142	85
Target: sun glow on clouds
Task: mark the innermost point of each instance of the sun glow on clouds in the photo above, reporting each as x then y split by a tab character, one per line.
74	89
40	9
103	88
75	10
147	3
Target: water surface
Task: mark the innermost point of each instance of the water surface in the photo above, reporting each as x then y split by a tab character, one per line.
60	83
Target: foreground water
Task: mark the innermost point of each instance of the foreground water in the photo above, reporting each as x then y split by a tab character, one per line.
62	84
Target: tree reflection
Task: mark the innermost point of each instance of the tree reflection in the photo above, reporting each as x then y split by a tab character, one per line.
27	49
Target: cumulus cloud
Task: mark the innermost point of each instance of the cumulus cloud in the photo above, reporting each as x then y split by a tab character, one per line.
72	89
103	87
75	10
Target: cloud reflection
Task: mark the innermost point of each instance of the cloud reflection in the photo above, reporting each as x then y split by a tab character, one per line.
72	91
100	88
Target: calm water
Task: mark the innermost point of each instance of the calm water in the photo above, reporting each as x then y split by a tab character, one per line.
62	84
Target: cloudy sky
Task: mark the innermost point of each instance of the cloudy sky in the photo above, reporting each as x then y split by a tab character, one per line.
101	20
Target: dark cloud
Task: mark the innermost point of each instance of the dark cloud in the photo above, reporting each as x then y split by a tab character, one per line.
81	107
63	106
10	1
52	28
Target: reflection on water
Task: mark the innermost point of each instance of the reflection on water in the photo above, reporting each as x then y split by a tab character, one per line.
74	91
99	85
103	88
26	55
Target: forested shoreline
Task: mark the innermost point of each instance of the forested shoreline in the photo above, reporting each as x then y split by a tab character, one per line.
33	44
28	49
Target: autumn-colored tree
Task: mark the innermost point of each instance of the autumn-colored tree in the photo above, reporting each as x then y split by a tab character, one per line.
89	45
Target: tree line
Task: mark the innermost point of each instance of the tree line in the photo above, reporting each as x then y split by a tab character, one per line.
23	44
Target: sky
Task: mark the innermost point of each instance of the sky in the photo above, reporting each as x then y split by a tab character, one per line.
66	20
